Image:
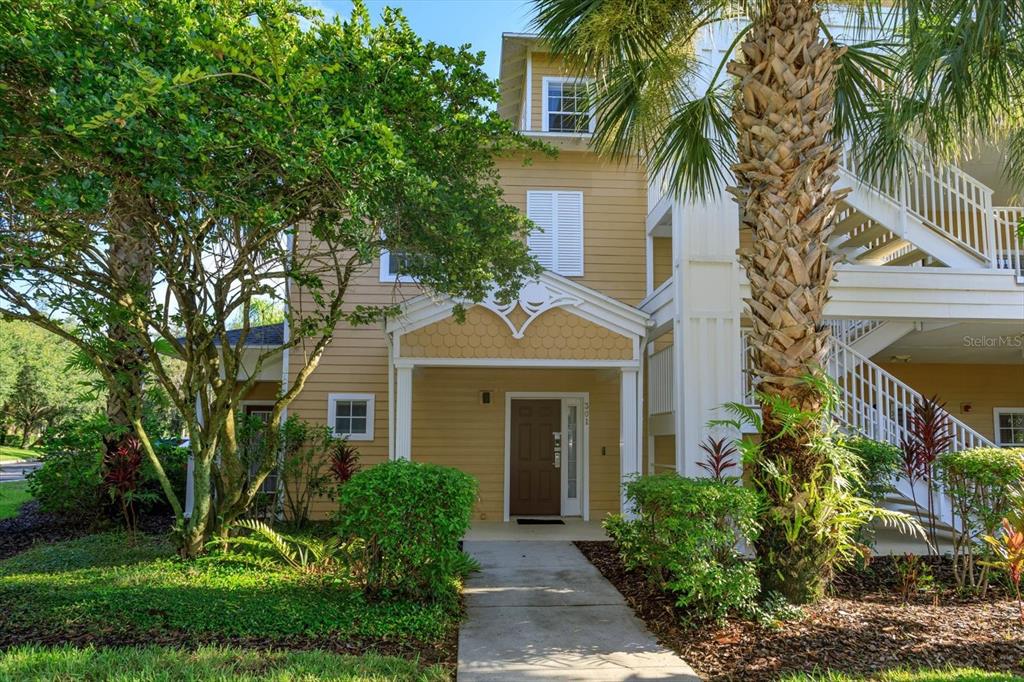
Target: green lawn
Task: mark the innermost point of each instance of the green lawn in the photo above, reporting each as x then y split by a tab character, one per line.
939	675
110	585
207	664
12	496
9	453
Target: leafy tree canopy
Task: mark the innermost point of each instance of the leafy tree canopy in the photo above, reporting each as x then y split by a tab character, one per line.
199	136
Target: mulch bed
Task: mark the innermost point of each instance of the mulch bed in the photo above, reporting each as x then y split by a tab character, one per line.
863	628
33	525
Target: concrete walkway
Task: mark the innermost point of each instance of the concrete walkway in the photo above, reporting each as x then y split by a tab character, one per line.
540	611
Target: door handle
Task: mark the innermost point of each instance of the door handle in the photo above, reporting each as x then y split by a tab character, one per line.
557	437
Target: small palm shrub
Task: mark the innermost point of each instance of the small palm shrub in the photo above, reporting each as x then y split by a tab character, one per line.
684	538
719	457
813	520
1008	548
406	519
122	478
266	547
980	483
929	434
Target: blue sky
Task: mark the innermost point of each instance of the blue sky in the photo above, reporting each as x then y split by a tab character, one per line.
452	22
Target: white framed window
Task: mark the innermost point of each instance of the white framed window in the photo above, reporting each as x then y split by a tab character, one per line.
556	240
350	415
392	265
1009	427
564	106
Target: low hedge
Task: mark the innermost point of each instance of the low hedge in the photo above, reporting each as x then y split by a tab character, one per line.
685	536
404	521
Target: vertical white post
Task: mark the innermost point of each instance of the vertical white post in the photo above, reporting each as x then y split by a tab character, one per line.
650	264
629	455
403	413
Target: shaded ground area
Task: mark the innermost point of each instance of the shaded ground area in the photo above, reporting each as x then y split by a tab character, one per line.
32	525
863	629
115	590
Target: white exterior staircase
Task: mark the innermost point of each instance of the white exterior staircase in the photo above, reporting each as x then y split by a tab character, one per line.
936	215
876	404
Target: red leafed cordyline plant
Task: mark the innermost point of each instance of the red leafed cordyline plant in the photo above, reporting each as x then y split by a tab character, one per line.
1009	551
344	462
929	434
720	457
122	475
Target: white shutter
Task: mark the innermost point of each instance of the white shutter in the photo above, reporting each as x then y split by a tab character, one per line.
557	240
540	208
569	234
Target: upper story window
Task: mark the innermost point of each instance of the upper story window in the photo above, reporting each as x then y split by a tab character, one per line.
350	415
557	240
1010	427
394	265
565	108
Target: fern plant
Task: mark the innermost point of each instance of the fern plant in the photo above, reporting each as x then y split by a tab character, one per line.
820	509
267	547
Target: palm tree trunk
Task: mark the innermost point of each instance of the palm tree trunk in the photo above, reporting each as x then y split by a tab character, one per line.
130	266
787	164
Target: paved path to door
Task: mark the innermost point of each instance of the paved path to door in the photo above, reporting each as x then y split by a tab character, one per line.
540	611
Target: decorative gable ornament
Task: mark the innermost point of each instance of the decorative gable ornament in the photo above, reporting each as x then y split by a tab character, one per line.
535	299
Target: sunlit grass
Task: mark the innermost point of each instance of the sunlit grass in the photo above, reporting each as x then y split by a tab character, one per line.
152	664
9	453
12	496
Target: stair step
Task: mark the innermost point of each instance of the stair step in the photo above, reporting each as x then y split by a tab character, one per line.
870	234
850	223
879	253
910	258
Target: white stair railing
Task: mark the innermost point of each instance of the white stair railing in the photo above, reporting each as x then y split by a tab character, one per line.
879	405
876	404
1009	250
950	202
851	331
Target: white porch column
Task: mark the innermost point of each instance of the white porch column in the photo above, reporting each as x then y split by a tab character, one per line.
403	413
629	452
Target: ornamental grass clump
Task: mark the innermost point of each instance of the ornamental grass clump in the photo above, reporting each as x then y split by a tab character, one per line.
406	519
685	538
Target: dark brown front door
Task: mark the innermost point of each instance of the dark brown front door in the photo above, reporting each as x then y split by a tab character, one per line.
535	481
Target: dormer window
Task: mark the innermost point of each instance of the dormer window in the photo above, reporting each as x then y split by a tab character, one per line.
565	107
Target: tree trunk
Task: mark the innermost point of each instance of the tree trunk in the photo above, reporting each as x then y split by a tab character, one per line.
131	269
787	165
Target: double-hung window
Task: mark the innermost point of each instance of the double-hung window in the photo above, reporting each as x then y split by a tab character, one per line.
1010	427
350	415
394	265
556	240
566	107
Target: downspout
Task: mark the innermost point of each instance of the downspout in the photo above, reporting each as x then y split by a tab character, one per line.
391	393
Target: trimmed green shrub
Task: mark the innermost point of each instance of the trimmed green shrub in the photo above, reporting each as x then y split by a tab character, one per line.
684	538
70	479
979	482
878	464
405	521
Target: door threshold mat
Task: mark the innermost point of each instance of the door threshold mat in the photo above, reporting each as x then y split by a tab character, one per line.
540	522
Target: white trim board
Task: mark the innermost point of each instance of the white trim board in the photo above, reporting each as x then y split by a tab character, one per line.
537	363
583	482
